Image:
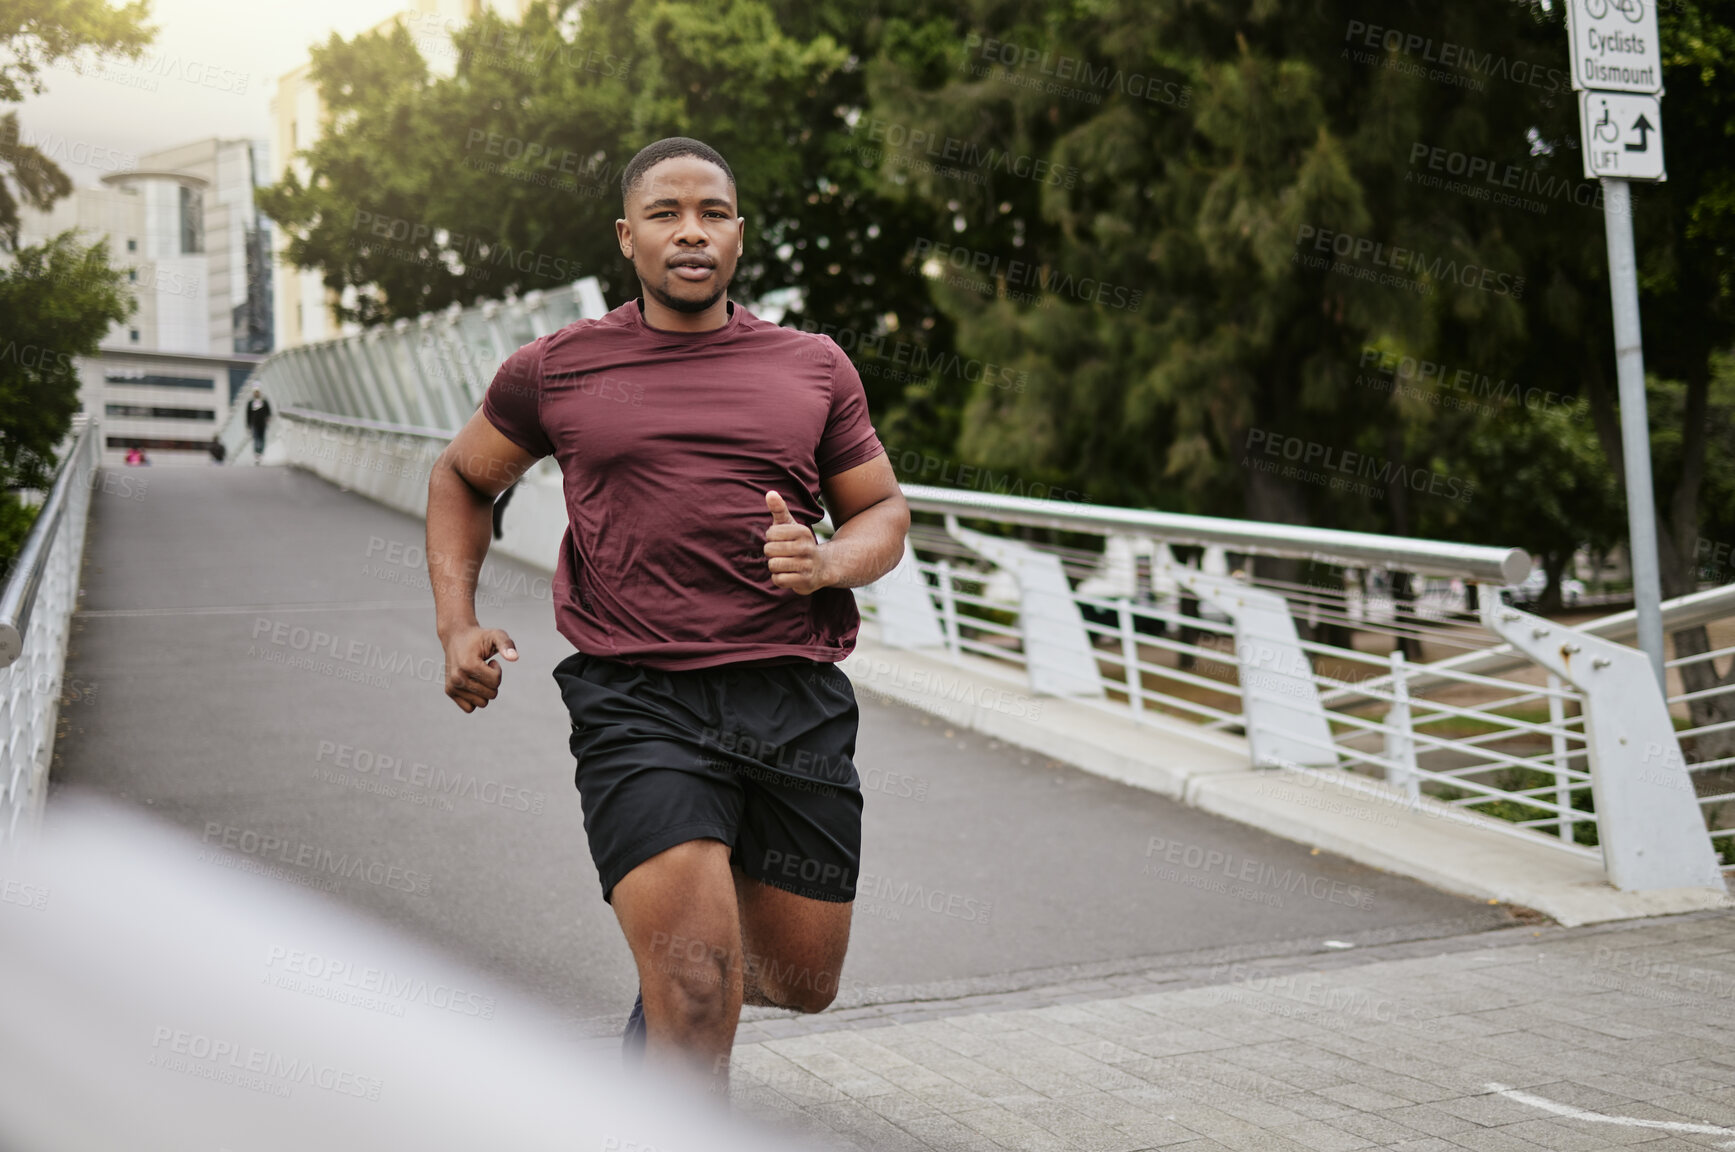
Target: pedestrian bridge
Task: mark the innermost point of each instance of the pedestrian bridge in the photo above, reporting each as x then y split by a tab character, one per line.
1079	758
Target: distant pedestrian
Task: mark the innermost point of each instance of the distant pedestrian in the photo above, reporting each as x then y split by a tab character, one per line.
136	457
218	451
258	415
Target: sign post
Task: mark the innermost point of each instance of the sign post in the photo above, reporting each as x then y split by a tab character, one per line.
1617	67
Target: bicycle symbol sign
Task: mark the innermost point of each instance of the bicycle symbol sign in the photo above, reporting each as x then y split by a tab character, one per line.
1633	10
1614	45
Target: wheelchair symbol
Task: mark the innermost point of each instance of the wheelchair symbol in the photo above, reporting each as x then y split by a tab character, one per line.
1606	130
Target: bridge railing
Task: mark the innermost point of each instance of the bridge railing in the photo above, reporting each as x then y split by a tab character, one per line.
429	373
1401	673
36	608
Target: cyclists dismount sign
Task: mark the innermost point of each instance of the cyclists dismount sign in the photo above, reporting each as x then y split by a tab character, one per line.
1614	45
1617	66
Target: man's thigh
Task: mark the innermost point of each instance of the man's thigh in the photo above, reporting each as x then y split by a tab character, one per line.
678	911
794	946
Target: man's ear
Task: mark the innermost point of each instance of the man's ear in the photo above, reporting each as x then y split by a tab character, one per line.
624	235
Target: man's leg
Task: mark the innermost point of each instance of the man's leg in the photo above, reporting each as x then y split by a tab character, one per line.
678	911
794	946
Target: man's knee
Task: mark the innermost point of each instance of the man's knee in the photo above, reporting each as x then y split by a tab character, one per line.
811	999
689	976
796	987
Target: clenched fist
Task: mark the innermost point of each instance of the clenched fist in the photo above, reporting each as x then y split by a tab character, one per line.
472	677
797	560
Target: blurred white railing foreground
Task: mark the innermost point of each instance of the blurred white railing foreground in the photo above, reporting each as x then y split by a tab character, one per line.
36	608
1391	664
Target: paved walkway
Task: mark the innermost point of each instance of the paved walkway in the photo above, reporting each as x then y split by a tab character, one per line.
1525	1038
256	663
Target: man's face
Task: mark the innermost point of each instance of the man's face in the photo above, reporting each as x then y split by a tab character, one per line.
682	234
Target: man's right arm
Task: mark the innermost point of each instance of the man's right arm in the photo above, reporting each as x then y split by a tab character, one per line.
475	468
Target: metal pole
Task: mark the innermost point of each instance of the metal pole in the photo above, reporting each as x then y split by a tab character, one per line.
1623	278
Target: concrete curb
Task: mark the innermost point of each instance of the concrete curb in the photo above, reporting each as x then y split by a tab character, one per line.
1431	842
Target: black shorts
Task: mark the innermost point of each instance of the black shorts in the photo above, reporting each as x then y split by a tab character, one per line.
759	757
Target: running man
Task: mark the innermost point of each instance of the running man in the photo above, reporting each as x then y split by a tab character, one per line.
712	730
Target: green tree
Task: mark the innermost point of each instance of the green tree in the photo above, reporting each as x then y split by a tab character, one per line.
1219	147
427	189
35	35
57	301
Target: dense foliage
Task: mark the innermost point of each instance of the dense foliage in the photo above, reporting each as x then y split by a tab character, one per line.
1297	260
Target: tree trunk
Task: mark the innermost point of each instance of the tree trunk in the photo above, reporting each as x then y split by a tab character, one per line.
1678	533
1677	545
1553	566
1277	501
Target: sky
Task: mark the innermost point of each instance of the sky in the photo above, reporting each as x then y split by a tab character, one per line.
210	72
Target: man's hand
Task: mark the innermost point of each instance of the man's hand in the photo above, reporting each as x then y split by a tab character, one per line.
472	678
797	560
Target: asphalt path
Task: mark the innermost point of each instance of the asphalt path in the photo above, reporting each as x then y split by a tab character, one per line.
254	660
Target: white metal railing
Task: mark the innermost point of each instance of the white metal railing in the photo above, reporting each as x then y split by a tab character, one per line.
1702	701
428	374
1487	716
1401	672
36	608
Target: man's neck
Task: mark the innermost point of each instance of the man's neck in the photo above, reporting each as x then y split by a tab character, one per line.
660	316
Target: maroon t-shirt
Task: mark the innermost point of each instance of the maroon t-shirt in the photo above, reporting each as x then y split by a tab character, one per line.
668	442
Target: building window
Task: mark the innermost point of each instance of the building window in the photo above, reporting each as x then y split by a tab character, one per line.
149	381
132	245
133	275
192	221
146	411
133	335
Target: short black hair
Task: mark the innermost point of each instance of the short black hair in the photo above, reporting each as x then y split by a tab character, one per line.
667	149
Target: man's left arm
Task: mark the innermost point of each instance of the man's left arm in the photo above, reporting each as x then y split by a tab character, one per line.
871	520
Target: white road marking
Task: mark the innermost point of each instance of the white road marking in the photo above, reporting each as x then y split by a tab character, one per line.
1572	1113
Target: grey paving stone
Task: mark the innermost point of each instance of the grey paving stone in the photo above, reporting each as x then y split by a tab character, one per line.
868	1127
1488	1110
1194	1068
1429	1119
1707	1109
1564	1135
1261	1142
1325	1137
1364	1098
1383	1131
1206	1120
1317	1107
948	1134
1011	1130
1074	1126
1494	1140
1579	1094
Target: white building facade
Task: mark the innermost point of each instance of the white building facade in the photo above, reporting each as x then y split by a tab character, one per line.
185	227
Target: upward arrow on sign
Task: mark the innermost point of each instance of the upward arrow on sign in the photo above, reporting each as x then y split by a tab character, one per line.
1643	127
